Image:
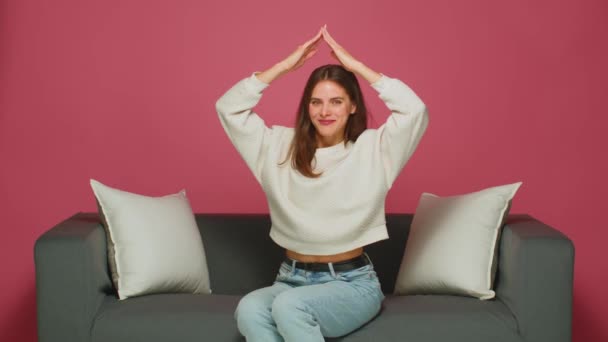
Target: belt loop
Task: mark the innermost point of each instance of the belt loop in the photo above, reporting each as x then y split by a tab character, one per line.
331	269
293	267
368	259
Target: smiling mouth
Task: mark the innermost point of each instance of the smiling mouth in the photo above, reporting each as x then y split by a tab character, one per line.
326	122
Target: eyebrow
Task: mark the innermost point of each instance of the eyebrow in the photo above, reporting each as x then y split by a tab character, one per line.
333	98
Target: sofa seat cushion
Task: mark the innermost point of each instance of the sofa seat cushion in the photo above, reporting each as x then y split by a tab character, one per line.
189	317
432	318
167	317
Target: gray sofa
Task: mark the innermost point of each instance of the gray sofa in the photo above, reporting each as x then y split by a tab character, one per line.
76	301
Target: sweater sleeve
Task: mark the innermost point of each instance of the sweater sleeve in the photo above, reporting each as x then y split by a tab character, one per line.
245	129
400	134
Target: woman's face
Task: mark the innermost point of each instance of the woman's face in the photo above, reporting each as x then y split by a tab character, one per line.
329	109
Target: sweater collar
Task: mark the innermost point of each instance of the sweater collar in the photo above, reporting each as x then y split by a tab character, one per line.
337	148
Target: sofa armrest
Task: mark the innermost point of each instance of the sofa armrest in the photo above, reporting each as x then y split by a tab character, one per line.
71	278
535	278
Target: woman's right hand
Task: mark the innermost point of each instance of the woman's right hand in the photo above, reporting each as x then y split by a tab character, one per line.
295	60
303	53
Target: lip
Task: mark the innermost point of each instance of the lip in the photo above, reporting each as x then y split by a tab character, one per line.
326	122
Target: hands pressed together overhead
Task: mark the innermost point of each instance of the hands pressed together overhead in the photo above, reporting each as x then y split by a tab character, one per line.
308	49
305	51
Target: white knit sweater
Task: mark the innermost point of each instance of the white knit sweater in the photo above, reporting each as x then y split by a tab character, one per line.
344	208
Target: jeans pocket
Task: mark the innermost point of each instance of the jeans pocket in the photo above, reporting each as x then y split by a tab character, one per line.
365	279
362	273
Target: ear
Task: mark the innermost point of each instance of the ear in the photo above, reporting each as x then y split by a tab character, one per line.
353	109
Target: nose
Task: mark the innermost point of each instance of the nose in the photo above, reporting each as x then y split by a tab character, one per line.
325	110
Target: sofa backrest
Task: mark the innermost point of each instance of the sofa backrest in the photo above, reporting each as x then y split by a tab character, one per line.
241	257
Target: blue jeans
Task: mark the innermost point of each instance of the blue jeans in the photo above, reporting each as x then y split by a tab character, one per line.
304	305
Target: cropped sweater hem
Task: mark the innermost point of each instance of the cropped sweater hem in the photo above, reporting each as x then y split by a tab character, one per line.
366	237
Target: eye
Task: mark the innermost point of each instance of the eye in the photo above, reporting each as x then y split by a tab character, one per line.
337	102
314	102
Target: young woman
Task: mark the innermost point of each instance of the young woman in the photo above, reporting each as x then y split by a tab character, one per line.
326	181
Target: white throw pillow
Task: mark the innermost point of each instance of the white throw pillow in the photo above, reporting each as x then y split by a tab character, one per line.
154	245
453	242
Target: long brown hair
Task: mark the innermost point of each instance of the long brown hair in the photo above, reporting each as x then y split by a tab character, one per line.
303	146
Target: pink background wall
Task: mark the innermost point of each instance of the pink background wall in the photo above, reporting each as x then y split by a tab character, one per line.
124	92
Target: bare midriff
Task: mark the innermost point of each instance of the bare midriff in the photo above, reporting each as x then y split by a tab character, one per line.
324	258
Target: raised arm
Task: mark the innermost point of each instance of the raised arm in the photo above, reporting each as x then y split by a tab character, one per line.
245	129
400	134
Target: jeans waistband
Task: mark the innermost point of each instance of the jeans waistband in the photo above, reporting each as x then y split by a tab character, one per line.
341	266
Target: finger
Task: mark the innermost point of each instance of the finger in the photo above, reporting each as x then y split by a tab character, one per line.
310	51
326	36
317	43
332	44
310	54
306	56
317	36
329	38
310	46
314	39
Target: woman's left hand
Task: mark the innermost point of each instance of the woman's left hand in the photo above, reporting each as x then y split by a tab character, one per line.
347	60
339	53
